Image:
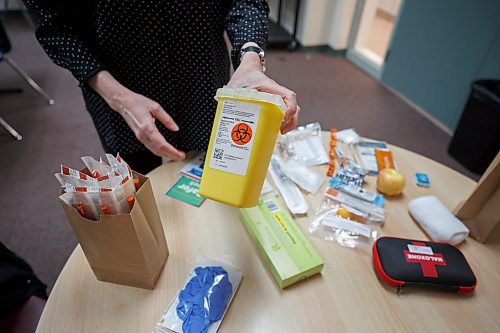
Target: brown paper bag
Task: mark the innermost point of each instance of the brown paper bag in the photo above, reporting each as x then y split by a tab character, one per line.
481	211
128	249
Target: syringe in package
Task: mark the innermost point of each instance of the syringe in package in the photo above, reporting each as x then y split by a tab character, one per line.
291	194
373	212
110	188
357	192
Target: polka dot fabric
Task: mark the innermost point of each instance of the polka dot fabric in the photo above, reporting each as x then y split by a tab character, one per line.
172	51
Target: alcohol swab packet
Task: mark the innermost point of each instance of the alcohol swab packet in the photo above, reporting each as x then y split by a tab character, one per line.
422	180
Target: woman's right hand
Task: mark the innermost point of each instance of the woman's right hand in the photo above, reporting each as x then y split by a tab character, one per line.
139	112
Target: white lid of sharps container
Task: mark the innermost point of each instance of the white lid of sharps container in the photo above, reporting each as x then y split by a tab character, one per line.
251	94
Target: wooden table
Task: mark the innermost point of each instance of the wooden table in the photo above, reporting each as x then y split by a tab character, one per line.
347	296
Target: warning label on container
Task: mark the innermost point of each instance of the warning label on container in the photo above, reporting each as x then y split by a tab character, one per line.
234	138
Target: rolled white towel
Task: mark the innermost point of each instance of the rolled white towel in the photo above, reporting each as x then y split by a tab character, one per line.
437	221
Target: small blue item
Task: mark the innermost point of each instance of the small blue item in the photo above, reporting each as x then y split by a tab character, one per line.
197	171
422	180
379	200
204	299
335	182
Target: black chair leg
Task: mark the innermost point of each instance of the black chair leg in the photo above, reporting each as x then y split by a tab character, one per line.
29	80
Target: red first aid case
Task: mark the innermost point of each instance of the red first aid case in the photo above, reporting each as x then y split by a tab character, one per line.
404	262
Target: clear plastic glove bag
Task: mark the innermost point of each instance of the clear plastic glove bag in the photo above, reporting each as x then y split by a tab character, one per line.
305	145
202	302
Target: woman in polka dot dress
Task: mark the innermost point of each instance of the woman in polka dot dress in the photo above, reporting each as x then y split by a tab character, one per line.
149	70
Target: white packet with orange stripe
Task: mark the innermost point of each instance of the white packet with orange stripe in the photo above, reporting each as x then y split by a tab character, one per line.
75	181
74	173
119	165
96	168
111	191
109	203
86	200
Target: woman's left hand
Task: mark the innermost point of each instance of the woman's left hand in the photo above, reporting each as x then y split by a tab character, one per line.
249	75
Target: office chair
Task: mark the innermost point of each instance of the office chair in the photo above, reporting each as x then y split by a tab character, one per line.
5	47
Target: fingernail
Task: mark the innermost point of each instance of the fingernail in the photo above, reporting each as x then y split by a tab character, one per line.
176	128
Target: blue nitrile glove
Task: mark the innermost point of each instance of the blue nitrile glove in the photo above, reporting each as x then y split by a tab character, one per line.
204	299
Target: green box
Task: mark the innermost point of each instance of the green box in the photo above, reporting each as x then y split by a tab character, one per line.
284	248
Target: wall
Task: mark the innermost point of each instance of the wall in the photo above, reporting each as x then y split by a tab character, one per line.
438	49
390	6
321	22
340	28
490	68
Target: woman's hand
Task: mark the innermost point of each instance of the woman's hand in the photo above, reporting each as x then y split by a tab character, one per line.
249	75
140	113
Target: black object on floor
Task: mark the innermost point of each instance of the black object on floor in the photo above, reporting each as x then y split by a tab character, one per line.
22	294
24	318
18	282
279	37
476	141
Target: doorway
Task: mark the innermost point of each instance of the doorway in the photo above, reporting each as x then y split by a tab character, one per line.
371	33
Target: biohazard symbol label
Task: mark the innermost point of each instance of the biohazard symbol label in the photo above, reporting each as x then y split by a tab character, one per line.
241	134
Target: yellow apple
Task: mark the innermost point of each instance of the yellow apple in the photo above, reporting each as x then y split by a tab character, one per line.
390	182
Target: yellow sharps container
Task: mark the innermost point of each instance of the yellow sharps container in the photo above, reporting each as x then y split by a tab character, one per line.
246	125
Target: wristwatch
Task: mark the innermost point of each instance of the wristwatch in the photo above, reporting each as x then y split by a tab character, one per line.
259	51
